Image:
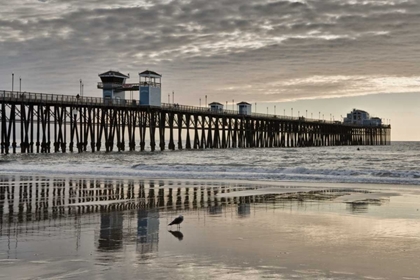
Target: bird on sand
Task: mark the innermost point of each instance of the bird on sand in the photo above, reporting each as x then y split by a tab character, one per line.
177	221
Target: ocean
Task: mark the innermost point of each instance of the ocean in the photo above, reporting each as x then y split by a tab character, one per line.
394	164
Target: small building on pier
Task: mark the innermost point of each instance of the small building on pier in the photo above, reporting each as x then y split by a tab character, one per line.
244	108
375	121
150	88
112	86
216	107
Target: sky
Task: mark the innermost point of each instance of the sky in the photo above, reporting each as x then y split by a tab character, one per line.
319	57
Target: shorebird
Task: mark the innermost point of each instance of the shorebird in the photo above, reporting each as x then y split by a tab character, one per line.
177	221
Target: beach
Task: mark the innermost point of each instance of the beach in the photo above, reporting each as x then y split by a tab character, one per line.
60	227
211	140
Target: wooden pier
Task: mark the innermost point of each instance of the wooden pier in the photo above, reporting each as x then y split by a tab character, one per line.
45	123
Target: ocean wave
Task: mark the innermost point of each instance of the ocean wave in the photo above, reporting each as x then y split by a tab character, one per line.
240	168
328	164
190	171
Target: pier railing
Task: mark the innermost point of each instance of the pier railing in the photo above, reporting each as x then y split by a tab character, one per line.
126	87
130	103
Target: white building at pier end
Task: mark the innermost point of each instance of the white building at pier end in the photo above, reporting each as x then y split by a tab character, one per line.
360	117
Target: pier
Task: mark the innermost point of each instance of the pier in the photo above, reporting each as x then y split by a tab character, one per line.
47	123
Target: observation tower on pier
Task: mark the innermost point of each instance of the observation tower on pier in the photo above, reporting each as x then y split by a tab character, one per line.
150	88
114	87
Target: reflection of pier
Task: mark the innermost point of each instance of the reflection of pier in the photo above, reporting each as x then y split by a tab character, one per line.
33	198
127	211
147	231
120	213
244	209
111	233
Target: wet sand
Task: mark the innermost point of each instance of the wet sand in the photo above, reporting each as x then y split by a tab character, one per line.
104	228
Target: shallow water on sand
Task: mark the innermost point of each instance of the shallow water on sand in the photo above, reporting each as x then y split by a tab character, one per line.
101	228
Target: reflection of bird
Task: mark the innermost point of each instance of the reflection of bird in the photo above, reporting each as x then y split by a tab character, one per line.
177	234
177	221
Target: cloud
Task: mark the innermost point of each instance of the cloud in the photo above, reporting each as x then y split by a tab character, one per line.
254	50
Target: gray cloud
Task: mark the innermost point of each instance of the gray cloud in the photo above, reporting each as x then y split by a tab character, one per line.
282	50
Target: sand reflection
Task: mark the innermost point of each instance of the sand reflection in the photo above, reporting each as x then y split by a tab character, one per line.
104	228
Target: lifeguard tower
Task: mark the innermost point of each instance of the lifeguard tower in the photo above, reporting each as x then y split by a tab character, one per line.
244	108
112	86
150	88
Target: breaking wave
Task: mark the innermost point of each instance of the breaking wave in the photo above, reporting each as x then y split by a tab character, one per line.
396	164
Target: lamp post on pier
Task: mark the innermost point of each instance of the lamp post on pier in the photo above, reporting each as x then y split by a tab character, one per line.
206	101
13	80
200	102
306	113
173	97
233	104
292	112
20	85
255	107
274	109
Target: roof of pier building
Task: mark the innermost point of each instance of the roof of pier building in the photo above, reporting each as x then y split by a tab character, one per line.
243	103
215	103
149	73
112	73
359	111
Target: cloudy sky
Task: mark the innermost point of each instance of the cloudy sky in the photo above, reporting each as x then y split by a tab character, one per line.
319	57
